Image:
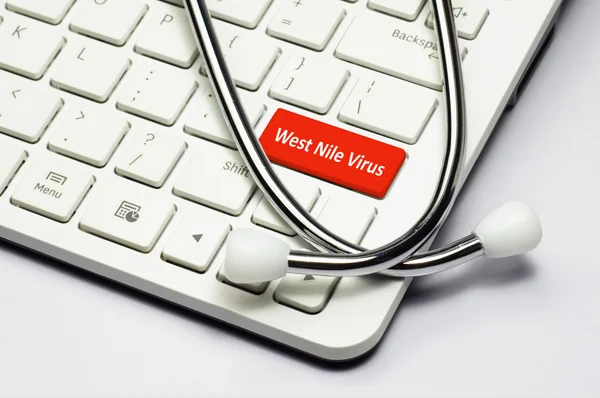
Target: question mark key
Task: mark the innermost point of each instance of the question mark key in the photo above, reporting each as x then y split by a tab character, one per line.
149	164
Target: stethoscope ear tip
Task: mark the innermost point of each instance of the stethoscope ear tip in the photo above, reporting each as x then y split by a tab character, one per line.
253	257
511	229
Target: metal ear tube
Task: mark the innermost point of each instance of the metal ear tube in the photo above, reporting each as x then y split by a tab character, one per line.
255	257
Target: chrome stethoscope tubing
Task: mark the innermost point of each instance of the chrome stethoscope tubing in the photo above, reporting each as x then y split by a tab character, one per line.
510	230
395	257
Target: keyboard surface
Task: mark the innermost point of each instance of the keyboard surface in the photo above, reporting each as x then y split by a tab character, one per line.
114	157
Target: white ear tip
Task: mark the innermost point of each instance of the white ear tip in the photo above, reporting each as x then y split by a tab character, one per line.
511	229
253	257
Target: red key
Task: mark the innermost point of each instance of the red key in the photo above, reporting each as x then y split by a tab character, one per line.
331	153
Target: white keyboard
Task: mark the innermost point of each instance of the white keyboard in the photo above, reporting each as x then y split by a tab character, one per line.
114	157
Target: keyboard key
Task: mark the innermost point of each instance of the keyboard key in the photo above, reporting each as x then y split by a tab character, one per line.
403	119
27	47
51	11
168	37
156	92
254	288
128	214
53	189
246	13
90	69
195	243
216	177
331	153
16	116
309	83
248	59
89	136
336	217
206	120
149	157
384	44
266	216
309	23
175	2
109	21
11	158
469	16
406	9
306	293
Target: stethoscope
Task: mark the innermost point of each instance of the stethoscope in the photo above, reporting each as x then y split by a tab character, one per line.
252	256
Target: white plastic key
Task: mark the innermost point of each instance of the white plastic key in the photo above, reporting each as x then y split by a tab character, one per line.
348	218
309	23
309	83
306	293
216	177
175	2
196	242
129	214
156	92
53	188
206	120
249	59
390	107
267	217
89	136
17	103
469	16
51	11
149	156
28	47
90	69
246	13
111	21
11	158
385	44
254	288
405	9
167	37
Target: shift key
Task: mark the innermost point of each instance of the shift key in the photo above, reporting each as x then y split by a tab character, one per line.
401	49
216	177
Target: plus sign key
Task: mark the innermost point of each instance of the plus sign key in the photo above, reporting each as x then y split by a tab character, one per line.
469	15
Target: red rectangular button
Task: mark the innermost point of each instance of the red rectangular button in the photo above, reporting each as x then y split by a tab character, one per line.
331	153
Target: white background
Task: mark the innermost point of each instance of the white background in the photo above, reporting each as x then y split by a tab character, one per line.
525	326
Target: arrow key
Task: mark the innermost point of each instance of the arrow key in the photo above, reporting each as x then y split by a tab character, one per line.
306	293
196	242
